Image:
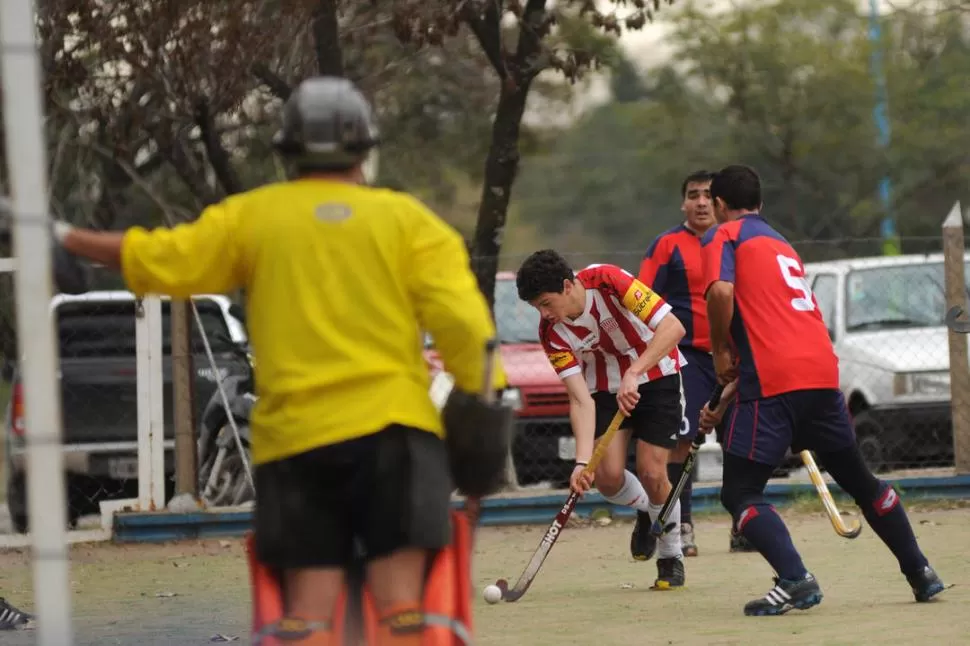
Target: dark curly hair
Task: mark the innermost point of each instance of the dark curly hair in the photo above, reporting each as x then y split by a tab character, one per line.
542	272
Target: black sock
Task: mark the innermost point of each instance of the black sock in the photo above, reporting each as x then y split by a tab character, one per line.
880	504
673	473
766	531
888	519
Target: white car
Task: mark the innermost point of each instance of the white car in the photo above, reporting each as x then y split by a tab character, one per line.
885	317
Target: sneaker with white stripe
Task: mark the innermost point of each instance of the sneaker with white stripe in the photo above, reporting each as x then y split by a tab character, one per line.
786	595
10	617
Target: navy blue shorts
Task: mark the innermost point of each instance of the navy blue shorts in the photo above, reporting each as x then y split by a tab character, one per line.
763	429
699	381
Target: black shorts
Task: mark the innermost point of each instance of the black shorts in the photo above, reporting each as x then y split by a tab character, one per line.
658	417
366	497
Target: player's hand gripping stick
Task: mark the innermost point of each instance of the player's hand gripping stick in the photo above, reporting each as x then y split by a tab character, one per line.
559	522
661	526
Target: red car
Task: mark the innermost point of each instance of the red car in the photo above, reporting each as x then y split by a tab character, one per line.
544	448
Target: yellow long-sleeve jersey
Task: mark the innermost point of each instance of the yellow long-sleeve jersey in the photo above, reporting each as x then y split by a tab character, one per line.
340	281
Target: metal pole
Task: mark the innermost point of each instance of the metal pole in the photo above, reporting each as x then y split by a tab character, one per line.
26	153
881	116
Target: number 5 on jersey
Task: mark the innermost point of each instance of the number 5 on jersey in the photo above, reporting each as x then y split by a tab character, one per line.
805	302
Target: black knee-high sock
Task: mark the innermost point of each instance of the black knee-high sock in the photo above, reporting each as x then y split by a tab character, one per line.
742	493
880	504
764	528
889	520
673	473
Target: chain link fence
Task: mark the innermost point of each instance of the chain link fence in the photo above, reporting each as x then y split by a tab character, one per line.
885	317
101	391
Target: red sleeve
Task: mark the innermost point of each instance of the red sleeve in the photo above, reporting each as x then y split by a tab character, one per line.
718	253
656	258
558	351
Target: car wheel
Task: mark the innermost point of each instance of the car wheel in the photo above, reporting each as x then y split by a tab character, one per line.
869	439
17	505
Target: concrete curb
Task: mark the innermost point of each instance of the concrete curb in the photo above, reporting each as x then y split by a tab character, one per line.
137	527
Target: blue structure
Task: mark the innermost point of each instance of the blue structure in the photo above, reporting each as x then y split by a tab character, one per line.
162	526
881	117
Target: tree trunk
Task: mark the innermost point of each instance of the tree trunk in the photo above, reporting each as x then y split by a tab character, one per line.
501	167
326	39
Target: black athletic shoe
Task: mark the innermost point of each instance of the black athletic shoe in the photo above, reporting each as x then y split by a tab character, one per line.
670	574
802	594
642	544
926	585
10	617
739	543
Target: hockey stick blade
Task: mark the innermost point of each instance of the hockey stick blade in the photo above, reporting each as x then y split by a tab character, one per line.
660	526
952	320
558	523
545	546
828	502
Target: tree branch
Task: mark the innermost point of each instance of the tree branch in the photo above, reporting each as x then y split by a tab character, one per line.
530	40
276	85
326	39
486	25
216	152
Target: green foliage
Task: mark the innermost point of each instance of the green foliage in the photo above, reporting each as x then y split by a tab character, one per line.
786	87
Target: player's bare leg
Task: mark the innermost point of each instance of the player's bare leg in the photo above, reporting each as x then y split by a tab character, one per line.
397	584
678	455
311	594
652	469
621	487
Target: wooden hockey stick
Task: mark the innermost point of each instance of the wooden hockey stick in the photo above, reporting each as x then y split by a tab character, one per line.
828	502
559	522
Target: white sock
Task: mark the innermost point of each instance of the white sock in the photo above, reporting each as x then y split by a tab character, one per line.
669	545
632	494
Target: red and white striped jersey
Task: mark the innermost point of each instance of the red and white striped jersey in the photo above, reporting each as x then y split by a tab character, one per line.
614	329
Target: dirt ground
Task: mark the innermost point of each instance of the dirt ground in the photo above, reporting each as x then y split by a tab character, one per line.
589	590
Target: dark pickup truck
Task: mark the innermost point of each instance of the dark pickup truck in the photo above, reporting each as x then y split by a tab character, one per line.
96	332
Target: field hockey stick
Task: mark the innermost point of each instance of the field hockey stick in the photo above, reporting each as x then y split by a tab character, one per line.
559	522
952	320
660	526
828	502
473	506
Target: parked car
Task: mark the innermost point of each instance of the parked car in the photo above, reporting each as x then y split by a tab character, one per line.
885	317
99	388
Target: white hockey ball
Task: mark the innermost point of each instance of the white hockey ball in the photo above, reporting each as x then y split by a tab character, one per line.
492	594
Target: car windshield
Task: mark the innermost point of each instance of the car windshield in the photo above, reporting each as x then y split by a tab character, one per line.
516	320
901	296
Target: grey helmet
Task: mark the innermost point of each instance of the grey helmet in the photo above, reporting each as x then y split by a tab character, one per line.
327	125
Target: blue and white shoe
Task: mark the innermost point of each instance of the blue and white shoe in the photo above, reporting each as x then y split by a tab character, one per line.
786	595
926	585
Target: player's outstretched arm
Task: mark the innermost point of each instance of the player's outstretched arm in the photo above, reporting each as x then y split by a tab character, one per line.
191	258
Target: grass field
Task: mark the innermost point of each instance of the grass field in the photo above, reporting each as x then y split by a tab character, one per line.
589	590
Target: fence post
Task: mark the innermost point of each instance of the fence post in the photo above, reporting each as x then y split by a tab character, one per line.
149	375
183	401
956	294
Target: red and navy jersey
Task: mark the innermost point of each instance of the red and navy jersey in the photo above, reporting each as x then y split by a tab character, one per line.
614	329
674	267
777	330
